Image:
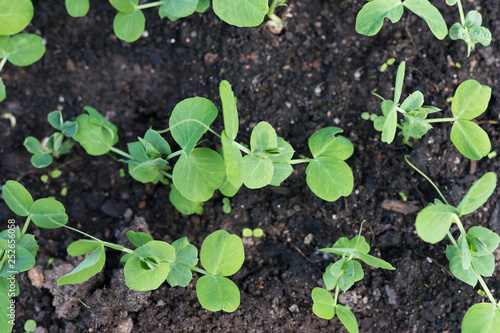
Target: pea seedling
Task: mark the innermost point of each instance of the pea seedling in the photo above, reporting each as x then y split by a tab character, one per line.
469	29
471	256
199	171
20	49
257	232
130	22
146	267
470	100
371	17
342	275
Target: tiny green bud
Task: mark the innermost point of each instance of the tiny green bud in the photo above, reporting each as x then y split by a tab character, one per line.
383	67
44	178
226	205
365	116
492	154
449	99
122	172
50	261
30	325
64	191
247	232
258	232
56	173
391	61
458	65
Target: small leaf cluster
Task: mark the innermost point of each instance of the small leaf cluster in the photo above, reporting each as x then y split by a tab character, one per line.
471	256
130	22
470	101
55	145
145	268
18	49
342	275
199	171
470	29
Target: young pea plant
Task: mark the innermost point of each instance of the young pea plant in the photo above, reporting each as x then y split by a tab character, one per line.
146	267
19	49
470	100
342	275
471	256
198	171
371	17
470	28
56	144
130	22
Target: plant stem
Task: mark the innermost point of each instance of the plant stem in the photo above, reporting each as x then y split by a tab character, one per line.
486	289
427	178
25	226
166	174
121	152
242	148
177	153
336	295
2	62
199	270
460	225
461	12
111	245
149	5
439	120
301	160
278	23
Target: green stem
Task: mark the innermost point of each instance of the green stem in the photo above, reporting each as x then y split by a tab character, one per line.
26	224
336	295
121	152
2	62
486	289
301	160
278	23
166	174
427	178
439	120
461	12
450	236
149	5
242	148
177	153
199	270
460	225
111	245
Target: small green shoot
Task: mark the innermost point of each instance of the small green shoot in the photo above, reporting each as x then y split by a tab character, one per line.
50	261
388	63
64	191
471	100
257	232
226	206
9	116
402	196
342	275
471	255
492	154
29	326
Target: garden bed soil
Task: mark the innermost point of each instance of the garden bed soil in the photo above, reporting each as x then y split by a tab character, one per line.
317	72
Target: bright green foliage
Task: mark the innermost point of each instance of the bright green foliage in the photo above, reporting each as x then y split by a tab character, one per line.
371	17
183	205
434	222
24	49
481	318
342	275
186	257
17	252
6	317
89	267
17	197
471	100
77	8
30	326
15	16
175	9
3	92
95	133
241	13
478	194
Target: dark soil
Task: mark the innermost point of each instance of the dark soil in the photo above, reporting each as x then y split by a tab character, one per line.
318	72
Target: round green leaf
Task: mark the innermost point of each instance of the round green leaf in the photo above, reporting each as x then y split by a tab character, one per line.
329	178
177	8
434	222
15	15
124	6
470	100
484	265
30	325
160	251
141	278
96	135
470	139
481	318
179	275
17	197
41	160
241	13
185	253
371	17
258	171
281	171
263	137
199	174
129	26
48	213
482	240
77	8
324	306
217	293
347	318
203	5
222	253
183	205
24	49
325	143
82	246
89	267
23	261
454	256
430	14
478	194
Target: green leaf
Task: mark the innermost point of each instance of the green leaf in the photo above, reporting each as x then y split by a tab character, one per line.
481	318
138	239
263	138
95	133
451	2
281	171
333	273
371	17
229	190
3	92
177	8
434	222
160	251
457	31
233	161
470	139
29	243
398	87
286	151
374	261
124	6
183	205
413	102
190	119
241	13
198	174
82	246
359	243
470	100
129	26
324	305
229	110
484	265
179	275
454	256
258	171
222	253
23	261
325	143
89	267
217	293
186	256
48	213
15	16
77	8
414	127
391	121
480	35
41	160
329	178
55	119
430	14
24	49
17	197
482	240
158	142
464	250
203	5
478	194
347	318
